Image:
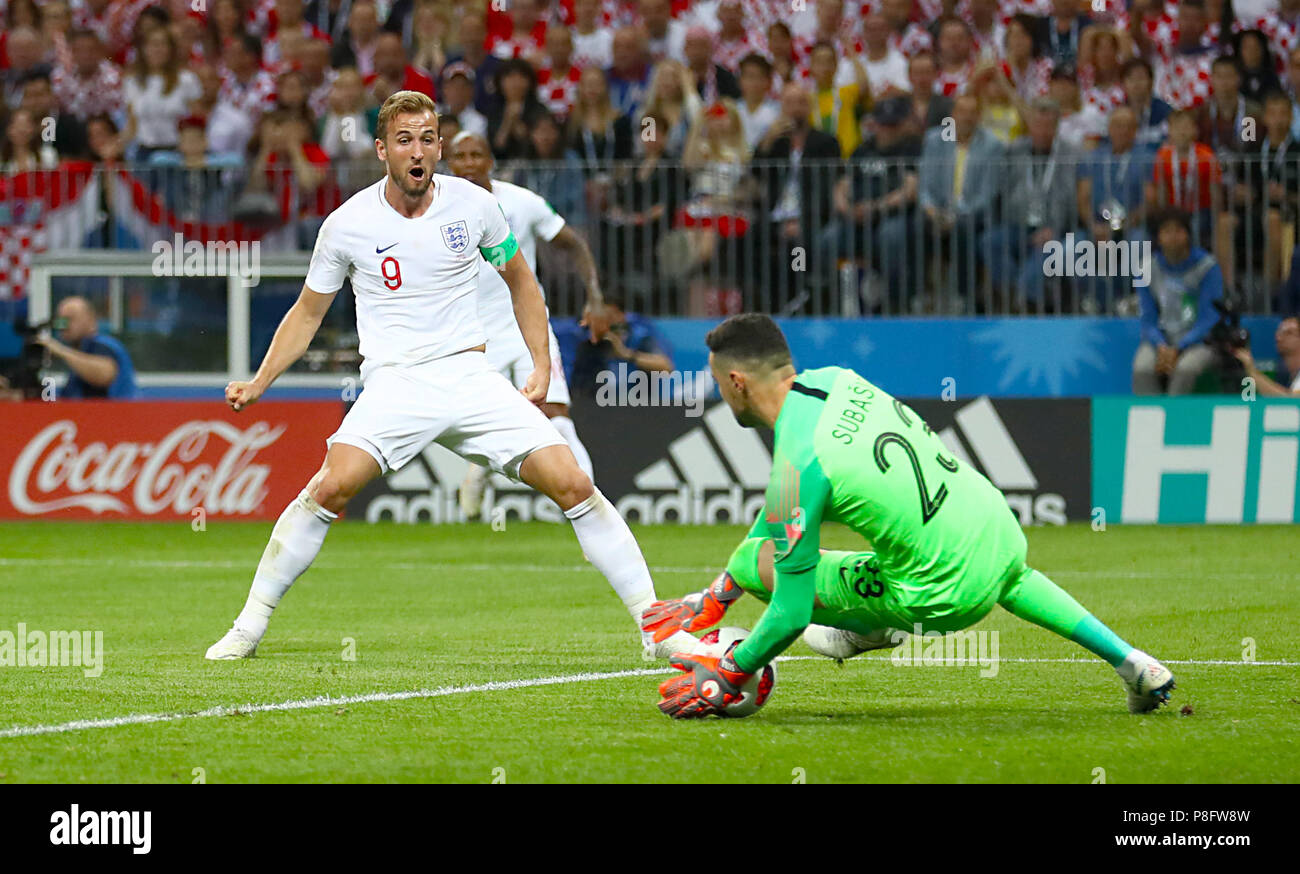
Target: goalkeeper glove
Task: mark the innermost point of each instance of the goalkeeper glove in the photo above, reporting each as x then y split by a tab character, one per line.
694	612
707	687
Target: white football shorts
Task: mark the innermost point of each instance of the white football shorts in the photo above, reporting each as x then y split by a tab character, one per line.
513	361
459	401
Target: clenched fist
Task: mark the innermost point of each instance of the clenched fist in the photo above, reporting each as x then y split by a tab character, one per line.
241	394
539	381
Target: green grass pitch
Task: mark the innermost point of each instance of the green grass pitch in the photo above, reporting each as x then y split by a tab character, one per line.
455	606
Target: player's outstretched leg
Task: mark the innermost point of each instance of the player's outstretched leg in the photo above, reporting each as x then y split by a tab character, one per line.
295	541
603	535
1035	598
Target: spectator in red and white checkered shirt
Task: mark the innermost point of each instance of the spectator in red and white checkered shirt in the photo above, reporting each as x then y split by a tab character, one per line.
592	40
907	36
736	36
91	84
93	15
1282	27
616	14
829	25
1024	68
1183	76
1100	79
244	84
113	21
557	80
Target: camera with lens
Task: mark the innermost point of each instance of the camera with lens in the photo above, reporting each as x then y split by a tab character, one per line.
1225	338
1227	334
24	372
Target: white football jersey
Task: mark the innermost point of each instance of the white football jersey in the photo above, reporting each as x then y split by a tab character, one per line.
530	218
414	278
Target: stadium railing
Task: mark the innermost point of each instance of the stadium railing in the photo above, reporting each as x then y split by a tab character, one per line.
679	240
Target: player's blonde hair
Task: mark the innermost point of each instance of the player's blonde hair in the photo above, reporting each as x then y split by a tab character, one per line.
399	103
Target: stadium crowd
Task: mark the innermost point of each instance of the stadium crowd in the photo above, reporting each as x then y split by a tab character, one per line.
748	152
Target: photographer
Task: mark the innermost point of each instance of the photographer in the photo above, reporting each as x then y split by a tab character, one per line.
99	364
1288	350
614	336
1178	311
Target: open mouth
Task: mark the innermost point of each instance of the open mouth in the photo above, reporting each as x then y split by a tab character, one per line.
416	173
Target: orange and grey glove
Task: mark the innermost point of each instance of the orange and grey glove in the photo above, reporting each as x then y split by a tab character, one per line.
705	689
694	612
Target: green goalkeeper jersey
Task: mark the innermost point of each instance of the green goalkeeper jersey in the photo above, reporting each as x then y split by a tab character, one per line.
846	451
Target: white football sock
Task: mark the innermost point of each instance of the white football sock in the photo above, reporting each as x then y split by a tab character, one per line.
609	545
295	541
565	426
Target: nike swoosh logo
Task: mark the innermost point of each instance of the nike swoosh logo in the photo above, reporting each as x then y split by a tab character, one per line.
379	251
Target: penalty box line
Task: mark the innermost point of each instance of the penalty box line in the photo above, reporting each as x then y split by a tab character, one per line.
321	701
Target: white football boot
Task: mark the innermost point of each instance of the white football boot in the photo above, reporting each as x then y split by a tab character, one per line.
1149	682
838	644
471	491
681	641
236	644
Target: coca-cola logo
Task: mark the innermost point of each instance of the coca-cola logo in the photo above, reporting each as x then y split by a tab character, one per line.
154	477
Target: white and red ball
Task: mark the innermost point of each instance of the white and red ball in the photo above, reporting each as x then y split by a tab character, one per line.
759	688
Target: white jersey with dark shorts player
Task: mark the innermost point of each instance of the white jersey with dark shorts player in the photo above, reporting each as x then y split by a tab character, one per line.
416	282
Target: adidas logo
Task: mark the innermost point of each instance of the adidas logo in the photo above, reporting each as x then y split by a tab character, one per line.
720	455
978	430
716	455
714	474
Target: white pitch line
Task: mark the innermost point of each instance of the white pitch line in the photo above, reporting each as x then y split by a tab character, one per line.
524	568
321	701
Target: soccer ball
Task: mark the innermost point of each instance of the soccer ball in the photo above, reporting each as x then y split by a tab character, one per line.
755	693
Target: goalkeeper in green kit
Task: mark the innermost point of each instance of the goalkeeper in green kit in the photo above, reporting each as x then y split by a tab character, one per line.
947	548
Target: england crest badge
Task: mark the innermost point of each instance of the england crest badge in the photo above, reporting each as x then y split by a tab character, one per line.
456	236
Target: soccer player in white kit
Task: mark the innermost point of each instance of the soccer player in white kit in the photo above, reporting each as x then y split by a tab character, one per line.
530	217
411	244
